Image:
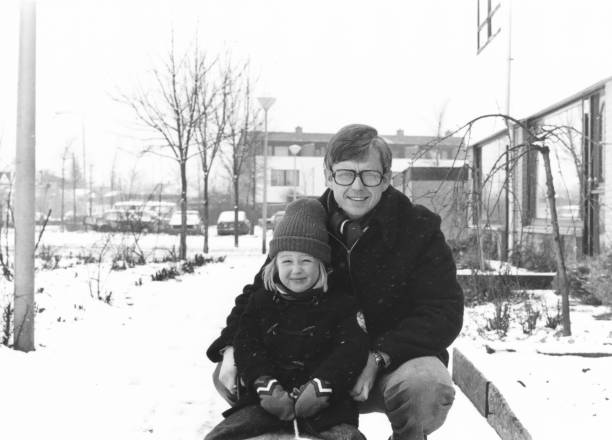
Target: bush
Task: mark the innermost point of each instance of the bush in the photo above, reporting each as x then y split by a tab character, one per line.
165	274
591	280
530	318
127	256
480	288
553	320
500	322
465	251
7	313
536	256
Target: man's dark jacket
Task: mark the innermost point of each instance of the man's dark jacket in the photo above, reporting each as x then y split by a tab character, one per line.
403	275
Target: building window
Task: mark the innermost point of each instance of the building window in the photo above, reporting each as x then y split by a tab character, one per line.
285	178
279	150
487	22
492	179
565	144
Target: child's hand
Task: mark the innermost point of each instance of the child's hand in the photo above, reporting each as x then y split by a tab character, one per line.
228	372
273	398
313	397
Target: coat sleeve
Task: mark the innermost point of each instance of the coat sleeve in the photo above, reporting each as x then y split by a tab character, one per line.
227	334
435	311
251	356
350	352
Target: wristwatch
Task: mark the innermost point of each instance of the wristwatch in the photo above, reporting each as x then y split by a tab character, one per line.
380	360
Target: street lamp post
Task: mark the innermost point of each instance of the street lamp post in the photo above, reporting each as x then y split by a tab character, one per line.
83	138
265	103
295	150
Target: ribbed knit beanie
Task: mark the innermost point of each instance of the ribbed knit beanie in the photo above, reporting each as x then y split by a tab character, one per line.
302	229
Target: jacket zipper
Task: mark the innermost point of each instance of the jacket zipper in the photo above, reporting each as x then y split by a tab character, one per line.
348	255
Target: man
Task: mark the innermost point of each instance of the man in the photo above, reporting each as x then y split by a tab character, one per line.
392	256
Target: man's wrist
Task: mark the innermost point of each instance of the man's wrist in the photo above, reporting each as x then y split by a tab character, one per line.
382	360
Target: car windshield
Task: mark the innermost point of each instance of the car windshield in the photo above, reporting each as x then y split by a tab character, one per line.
228	216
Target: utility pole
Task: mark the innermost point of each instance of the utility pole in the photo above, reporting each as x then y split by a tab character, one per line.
25	170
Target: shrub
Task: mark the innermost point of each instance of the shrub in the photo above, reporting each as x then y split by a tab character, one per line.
165	274
7	313
534	255
127	256
481	288
553	320
530	318
591	279
500	322
49	257
465	251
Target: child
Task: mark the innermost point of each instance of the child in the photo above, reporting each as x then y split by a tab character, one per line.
299	346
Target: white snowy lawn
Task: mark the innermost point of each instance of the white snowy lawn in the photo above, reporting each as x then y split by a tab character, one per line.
136	369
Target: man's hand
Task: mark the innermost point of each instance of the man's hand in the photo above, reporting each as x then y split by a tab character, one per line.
365	381
274	398
228	372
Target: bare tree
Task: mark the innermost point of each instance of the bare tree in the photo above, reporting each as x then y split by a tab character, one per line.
537	140
65	154
241	118
213	101
170	110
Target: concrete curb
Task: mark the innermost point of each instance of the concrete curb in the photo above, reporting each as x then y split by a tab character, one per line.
487	399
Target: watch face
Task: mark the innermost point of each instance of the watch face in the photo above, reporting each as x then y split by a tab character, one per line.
380	361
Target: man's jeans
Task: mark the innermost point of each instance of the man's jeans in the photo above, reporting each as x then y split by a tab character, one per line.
416	397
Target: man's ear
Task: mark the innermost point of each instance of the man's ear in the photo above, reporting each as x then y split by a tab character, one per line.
387	180
328	177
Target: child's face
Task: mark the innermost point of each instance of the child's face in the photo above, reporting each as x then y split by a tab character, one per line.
297	270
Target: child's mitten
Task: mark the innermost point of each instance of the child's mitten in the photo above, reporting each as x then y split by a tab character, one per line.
313	397
273	398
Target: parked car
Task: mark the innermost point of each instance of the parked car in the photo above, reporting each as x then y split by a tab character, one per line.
225	223
115	220
194	222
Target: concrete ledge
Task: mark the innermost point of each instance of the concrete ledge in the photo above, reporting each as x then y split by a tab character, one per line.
517	281
487	399
467	377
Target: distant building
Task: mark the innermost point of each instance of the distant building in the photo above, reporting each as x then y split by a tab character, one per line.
302	174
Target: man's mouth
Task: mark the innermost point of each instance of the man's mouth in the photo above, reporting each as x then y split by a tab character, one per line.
357	198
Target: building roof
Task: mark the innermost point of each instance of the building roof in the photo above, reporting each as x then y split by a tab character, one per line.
395	139
550	109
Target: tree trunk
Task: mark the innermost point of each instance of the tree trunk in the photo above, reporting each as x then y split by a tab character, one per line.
206	213
236	192
183	234
63	190
561	269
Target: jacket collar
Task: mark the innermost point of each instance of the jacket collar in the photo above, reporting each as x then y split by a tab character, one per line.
385	214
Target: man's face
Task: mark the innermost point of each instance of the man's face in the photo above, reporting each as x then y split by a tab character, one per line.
356	199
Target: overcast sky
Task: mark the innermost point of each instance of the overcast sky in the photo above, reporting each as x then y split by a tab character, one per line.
392	64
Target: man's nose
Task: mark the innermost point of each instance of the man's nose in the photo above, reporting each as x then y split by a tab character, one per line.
357	183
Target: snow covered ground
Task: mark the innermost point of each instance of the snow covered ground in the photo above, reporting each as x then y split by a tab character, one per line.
136	369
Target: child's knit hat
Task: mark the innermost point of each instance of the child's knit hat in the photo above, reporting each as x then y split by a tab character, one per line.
303	229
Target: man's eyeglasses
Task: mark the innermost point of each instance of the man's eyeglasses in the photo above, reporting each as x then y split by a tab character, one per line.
368	177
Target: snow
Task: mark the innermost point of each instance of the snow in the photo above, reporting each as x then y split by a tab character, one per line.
136	368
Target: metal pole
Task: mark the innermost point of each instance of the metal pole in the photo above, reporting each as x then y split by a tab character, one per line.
83	145
295	173
265	103
510	217
25	166
264	203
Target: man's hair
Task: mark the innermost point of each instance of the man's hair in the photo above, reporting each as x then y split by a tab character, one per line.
270	270
354	142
